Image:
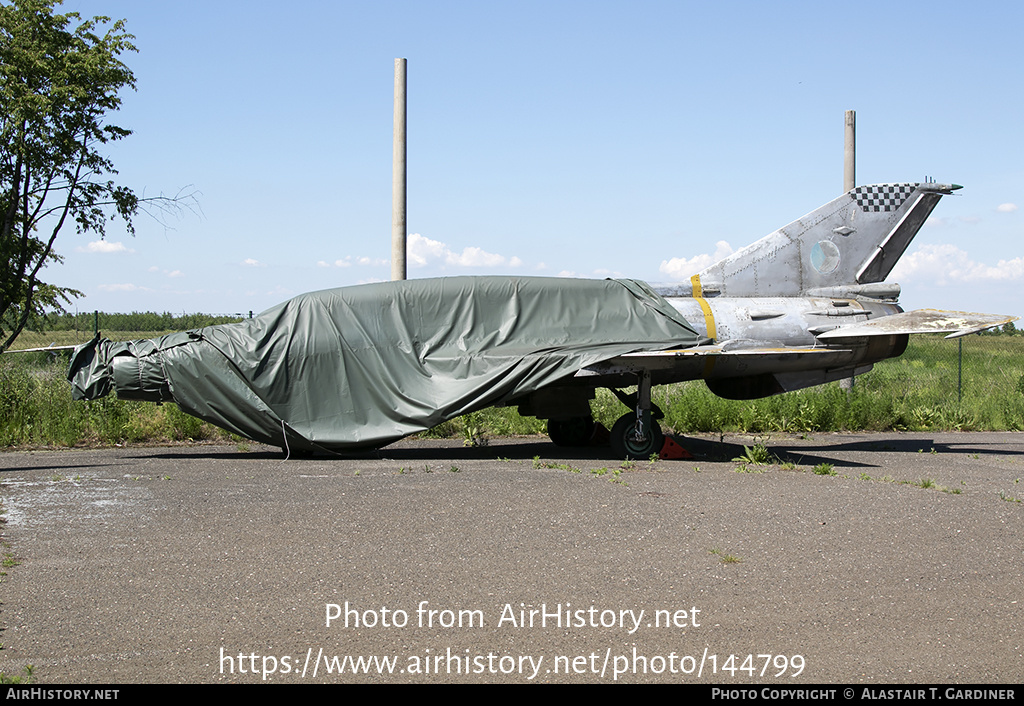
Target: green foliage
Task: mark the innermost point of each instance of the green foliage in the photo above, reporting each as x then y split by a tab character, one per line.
57	87
36	409
493	421
726	558
25	678
60	78
917	391
537	463
1003	495
824	469
472	430
135	321
756	455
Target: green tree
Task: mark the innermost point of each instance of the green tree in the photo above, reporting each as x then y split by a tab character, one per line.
59	84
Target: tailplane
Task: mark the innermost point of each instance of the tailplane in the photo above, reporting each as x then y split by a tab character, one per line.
848	245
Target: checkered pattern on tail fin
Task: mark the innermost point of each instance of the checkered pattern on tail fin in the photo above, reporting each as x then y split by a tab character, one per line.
882	197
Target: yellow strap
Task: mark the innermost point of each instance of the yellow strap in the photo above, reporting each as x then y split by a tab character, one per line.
709	318
709	321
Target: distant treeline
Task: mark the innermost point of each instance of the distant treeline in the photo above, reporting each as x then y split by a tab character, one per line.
135	321
1007	329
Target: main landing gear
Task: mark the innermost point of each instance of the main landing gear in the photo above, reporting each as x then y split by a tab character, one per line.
576	431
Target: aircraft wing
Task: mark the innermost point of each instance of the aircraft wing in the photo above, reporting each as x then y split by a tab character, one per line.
733	369
956	323
44	349
747	369
665	360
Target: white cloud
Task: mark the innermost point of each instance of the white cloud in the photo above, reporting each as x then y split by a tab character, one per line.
122	288
419	250
946	264
474	257
681	268
168	273
422	251
280	292
349	260
104	246
1006	207
250	262
943	221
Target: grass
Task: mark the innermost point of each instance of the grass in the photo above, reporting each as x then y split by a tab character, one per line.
925	483
756	455
25	678
726	558
42	339
915	392
615	473
36	409
1003	495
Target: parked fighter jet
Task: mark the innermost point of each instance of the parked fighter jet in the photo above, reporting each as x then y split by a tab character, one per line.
363	366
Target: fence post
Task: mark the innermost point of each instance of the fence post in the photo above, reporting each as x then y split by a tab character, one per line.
959	368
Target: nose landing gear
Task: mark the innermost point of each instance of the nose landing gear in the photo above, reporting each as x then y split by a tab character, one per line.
635	439
637	435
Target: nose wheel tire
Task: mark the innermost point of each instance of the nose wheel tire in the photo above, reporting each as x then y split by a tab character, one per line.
626	444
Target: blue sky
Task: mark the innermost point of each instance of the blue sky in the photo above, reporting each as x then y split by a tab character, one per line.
584	139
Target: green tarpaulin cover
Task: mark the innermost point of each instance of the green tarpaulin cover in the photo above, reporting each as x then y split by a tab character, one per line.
363	366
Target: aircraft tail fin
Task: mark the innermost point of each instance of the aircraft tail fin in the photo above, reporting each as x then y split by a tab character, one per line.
848	244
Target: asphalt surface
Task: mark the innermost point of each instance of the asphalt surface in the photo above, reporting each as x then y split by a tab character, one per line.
206	564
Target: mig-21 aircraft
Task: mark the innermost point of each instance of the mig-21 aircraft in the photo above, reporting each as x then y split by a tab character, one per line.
363	366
